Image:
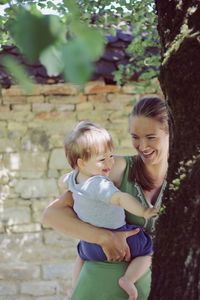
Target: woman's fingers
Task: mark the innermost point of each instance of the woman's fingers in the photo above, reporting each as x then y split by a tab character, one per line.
123	256
132	232
115	252
111	251
113	256
127	256
117	249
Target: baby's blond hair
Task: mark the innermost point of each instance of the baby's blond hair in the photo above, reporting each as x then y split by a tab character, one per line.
86	139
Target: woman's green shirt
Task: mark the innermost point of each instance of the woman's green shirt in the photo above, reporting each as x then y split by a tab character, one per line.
99	280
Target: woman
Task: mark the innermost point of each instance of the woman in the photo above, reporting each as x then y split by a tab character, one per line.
143	176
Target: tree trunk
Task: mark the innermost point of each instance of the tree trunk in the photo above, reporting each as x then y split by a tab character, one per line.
176	263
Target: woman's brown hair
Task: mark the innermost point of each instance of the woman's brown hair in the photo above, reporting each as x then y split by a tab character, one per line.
157	109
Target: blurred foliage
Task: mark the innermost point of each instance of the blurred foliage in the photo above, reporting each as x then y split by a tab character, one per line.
19	73
34	33
72	39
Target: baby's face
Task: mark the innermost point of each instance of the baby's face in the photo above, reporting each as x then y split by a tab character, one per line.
99	164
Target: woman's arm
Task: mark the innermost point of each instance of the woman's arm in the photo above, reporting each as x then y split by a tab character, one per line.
60	216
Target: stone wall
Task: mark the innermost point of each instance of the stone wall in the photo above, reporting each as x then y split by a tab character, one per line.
36	262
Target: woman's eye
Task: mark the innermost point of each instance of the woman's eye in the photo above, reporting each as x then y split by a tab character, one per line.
151	137
134	137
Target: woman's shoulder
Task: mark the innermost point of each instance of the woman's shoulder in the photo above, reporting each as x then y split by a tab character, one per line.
119	167
123	161
117	170
120	161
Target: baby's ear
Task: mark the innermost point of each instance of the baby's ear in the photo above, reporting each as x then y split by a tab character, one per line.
80	163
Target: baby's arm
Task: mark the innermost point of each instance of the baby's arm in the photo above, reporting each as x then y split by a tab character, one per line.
131	204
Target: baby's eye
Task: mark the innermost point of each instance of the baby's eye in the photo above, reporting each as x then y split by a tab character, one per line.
103	159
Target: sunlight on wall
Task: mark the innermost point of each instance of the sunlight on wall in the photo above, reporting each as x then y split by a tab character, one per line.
15	161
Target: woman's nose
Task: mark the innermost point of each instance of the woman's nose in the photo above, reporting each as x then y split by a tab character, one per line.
142	145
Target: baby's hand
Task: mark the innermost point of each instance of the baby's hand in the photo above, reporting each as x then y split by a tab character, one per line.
151	212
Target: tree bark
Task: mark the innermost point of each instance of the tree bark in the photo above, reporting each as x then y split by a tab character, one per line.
176	262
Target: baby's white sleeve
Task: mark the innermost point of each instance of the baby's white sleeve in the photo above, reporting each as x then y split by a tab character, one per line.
101	188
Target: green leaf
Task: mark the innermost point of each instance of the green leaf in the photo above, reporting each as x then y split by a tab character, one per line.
148	75
18	73
77	62
33	34
92	39
72	7
51	58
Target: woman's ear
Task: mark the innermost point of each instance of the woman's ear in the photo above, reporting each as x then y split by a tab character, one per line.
80	163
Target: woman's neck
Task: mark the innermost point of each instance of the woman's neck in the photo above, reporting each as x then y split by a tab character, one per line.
157	172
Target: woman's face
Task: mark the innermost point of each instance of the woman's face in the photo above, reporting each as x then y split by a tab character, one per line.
149	139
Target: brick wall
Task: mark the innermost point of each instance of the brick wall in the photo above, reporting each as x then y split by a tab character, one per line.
36	262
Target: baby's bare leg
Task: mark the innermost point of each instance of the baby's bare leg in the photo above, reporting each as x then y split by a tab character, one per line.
75	274
77	269
137	267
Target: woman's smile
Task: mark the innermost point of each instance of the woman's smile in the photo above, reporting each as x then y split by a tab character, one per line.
149	139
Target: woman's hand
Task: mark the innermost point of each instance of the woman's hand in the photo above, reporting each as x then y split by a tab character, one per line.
60	216
115	245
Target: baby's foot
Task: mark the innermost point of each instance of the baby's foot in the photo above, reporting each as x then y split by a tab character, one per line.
129	288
